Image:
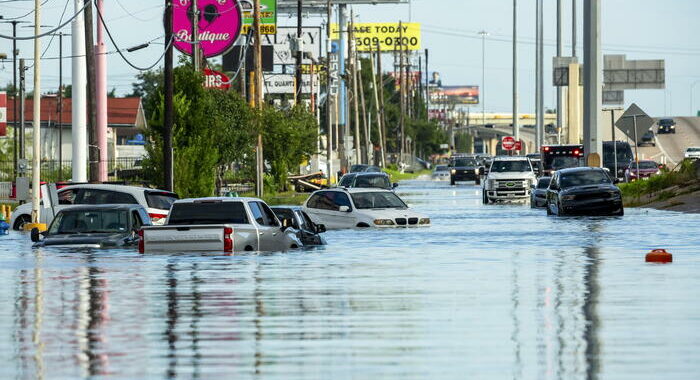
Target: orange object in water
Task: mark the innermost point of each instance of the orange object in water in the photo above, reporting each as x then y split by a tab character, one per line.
659	256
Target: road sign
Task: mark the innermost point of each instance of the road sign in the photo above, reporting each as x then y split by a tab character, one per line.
284	83
268	16
621	74
3	114
508	142
634	122
518	145
219	26
284	39
215	79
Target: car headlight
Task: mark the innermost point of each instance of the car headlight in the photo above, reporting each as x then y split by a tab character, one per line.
383	222
424	221
673	127
568	197
492	183
476	171
453	171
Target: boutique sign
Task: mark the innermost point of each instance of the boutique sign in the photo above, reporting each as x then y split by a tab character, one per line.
220	23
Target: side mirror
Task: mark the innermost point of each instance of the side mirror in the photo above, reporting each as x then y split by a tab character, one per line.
344	209
532	186
320	228
35	235
394	185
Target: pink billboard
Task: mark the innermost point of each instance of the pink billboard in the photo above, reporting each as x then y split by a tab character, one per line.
220	23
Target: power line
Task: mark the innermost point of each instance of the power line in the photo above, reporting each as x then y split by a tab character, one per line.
50	31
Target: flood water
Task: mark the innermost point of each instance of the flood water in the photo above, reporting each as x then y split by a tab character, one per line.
488	292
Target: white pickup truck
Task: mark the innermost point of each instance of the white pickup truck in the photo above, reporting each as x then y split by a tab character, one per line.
218	225
509	179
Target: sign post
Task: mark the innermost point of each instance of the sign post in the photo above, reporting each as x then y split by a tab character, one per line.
631	123
3	114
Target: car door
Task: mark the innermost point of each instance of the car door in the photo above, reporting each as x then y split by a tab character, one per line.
553	194
269	232
324	208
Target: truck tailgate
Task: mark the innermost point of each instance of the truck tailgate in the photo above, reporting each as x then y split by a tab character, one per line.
183	238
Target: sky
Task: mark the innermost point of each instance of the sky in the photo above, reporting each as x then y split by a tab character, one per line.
641	29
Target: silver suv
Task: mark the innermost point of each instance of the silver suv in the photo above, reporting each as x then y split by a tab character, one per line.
509	179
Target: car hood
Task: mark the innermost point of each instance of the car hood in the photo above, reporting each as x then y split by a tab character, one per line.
589	189
465	167
511	175
105	239
389	213
645	171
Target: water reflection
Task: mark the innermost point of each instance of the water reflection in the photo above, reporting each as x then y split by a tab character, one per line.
482	292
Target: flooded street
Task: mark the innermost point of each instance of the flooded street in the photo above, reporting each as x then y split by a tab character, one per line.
497	291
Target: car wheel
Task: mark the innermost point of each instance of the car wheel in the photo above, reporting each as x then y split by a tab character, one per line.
21	221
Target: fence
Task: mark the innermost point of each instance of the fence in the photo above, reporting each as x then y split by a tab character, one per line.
54	170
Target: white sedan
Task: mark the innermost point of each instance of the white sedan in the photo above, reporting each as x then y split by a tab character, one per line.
361	208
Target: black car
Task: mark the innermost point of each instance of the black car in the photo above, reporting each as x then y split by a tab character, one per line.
538	195
583	191
94	226
647	139
465	169
365	169
367	180
666	126
307	231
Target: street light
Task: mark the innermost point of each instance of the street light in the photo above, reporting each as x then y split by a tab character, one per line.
692	104
483	35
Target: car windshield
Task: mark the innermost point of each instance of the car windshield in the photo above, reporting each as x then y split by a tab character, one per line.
90	221
510	166
564	162
358	168
372	181
160	200
543	183
377	200
584	178
208	213
693	150
645	165
464	162
441	168
666	122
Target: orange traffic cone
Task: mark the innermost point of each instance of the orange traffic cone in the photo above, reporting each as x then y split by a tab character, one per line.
659	256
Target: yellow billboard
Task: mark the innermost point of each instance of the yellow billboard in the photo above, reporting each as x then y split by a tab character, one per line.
388	35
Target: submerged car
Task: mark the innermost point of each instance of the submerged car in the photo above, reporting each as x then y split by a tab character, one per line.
693	152
538	195
360	168
100	226
583	191
361	208
465	168
308	232
367	180
441	173
647	139
645	169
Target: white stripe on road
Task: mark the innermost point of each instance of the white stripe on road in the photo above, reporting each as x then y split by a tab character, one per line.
661	148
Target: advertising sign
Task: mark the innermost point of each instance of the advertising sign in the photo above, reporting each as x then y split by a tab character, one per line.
413	76
455	95
3	114
388	34
283	43
284	83
220	24
215	79
268	16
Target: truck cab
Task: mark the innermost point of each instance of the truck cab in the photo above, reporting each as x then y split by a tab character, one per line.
509	179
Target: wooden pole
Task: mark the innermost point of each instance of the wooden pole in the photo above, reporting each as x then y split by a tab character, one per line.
377	107
93	150
168	110
258	80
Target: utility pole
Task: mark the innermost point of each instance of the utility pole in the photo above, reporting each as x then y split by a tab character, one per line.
78	88
402	91
592	83
36	121
329	94
101	93
516	118
540	73
355	93
195	36
560	93
380	84
257	55
15	52
22	86
93	147
427	87
168	172
376	83
343	104
60	106
367	145
300	53
483	35
573	28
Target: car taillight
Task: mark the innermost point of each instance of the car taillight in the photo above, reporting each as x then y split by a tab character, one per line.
228	240
157	217
142	244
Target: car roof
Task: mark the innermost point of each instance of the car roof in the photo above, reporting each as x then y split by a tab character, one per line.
353	190
217	199
125	207
581	169
362	174
510	158
285	207
100	186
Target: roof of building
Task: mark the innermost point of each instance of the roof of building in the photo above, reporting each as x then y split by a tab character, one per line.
121	112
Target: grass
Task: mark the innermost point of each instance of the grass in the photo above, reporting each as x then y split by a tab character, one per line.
659	187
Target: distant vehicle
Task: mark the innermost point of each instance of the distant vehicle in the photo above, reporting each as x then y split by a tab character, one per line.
536	160
441	173
156	202
538	195
556	157
624	156
583	191
94	226
666	126
647	139
647	168
509	179
693	152
423	163
465	168
223	224
307	231
361	208
550	129
364	168
367	180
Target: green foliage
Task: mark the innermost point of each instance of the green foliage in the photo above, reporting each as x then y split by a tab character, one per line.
657	186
